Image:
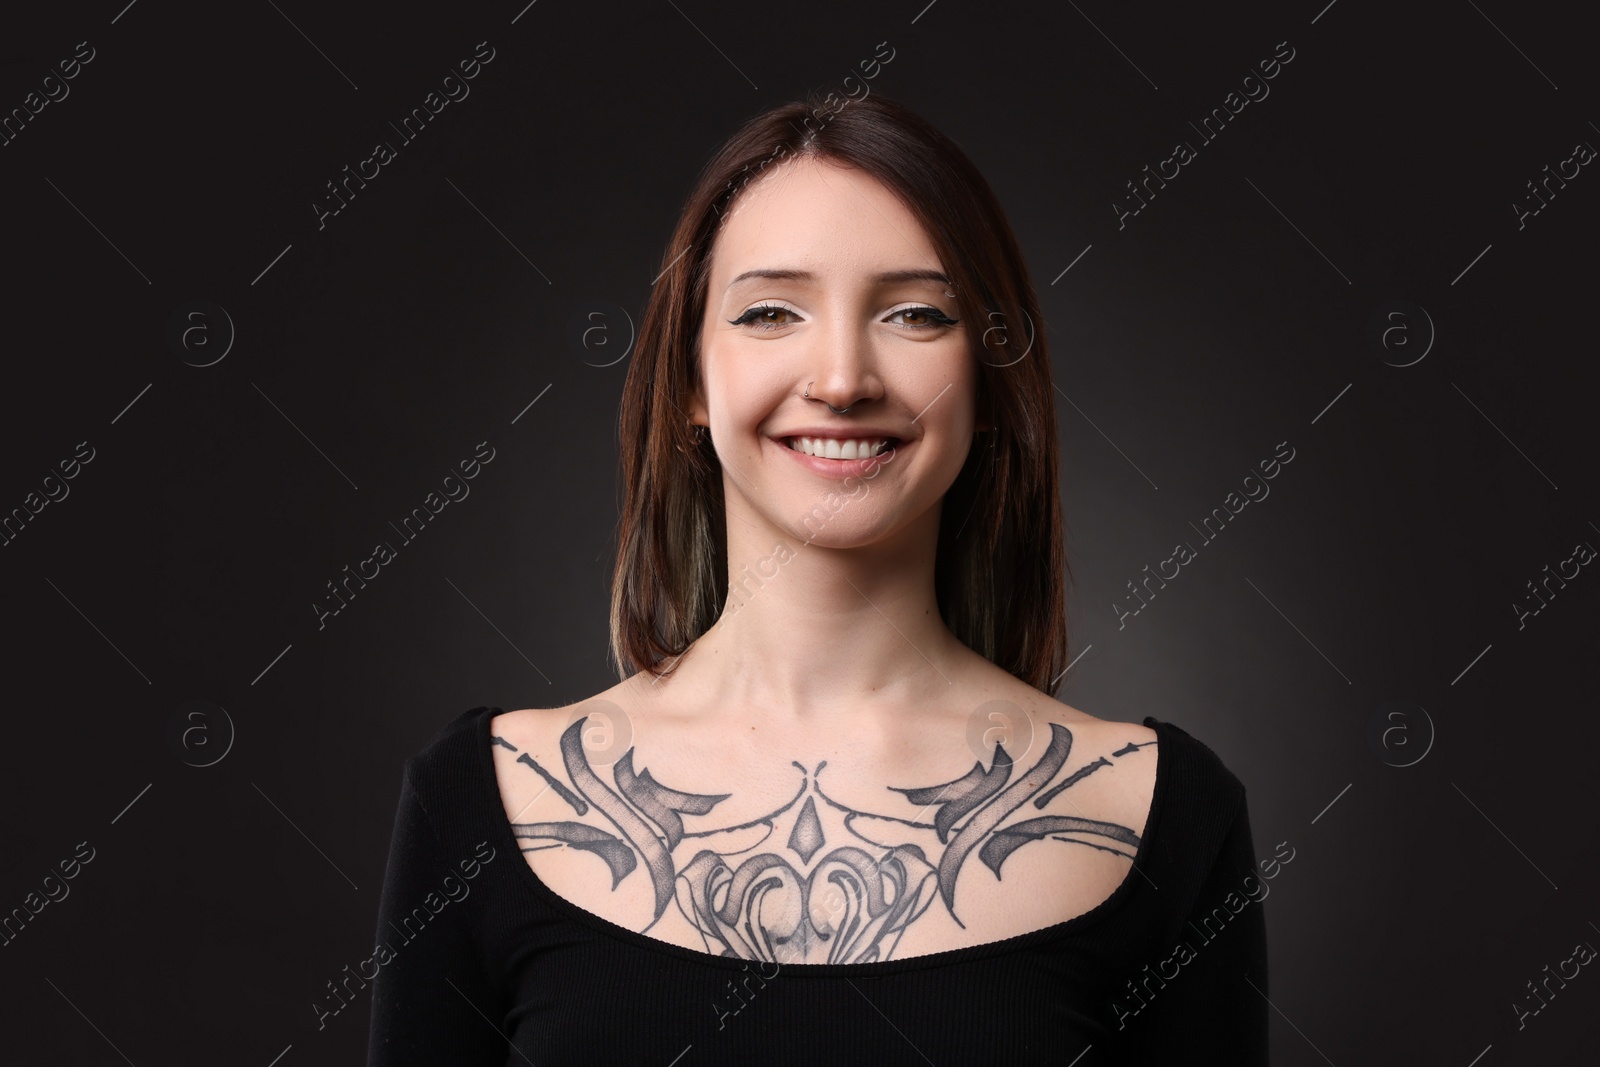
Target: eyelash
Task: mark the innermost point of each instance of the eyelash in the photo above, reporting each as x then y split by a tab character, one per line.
940	319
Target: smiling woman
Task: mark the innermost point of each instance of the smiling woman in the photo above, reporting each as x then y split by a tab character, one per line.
828	779
880	245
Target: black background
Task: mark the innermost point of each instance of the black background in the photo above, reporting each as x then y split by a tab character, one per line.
1231	314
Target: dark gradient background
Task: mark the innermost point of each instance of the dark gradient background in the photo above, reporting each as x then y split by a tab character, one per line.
446	306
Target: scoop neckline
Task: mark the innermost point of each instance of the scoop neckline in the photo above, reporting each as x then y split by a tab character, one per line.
945	957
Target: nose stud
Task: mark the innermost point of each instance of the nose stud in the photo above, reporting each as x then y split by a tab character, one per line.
836	411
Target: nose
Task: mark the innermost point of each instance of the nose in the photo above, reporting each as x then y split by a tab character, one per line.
845	374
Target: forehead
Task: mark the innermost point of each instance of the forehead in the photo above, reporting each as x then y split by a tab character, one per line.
818	215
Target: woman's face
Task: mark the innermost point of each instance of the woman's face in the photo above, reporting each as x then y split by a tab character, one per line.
821	277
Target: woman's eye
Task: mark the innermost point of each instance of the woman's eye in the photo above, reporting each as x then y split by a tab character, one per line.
764	317
772	317
931	318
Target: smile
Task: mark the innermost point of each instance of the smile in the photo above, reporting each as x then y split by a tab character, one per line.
843	457
837	448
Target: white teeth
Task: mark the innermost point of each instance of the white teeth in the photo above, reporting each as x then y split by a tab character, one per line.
833	448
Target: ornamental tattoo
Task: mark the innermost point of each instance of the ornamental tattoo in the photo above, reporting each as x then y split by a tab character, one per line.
864	888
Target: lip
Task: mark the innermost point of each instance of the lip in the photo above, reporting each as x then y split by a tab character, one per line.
868	467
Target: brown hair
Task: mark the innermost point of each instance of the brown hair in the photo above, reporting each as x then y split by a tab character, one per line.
1000	558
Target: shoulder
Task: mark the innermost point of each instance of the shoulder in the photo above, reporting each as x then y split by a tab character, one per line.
1042	716
1112	767
534	727
466	778
1198	775
1184	777
538	731
1200	814
1000	700
451	744
443	786
1125	758
539	740
1188	764
1096	730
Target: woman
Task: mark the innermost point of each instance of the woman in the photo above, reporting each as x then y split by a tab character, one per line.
831	814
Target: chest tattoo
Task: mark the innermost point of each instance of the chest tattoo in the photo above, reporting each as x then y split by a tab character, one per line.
868	875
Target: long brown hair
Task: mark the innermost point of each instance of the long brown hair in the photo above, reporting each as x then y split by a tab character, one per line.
1000	558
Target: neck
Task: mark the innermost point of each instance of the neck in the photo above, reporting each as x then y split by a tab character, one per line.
809	630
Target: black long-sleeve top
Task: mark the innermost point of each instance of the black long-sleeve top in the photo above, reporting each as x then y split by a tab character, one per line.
479	963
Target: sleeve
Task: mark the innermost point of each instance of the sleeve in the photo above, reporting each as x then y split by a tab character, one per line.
432	999
1215	1009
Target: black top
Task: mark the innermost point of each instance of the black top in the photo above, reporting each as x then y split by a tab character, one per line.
479	962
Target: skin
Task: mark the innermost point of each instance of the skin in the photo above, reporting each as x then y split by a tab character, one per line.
842	656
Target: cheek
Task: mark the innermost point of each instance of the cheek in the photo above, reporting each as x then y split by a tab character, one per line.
952	378
741	387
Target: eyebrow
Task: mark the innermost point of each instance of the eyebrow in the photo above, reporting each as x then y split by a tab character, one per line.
888	276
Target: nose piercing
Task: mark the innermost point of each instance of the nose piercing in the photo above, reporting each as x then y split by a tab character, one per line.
836	411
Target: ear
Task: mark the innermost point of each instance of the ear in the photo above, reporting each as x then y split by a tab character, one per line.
699	414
